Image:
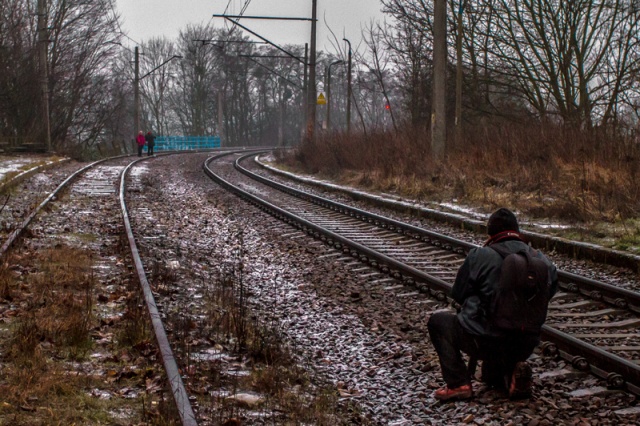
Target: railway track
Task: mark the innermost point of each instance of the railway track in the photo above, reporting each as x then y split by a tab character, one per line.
390	257
592	324
72	203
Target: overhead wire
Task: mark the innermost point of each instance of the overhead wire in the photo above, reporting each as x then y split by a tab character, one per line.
120	31
242	10
227	8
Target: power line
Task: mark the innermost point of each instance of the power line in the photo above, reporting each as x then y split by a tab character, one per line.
227	8
242	10
246	4
122	33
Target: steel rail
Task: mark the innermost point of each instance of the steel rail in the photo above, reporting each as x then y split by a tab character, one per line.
439	240
575	249
29	172
597	290
16	233
180	396
600	291
420	279
619	372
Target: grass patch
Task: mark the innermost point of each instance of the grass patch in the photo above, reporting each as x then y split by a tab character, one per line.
60	309
543	172
240	366
84	238
46	375
10	175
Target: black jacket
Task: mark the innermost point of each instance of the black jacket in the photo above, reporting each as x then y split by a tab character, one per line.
476	281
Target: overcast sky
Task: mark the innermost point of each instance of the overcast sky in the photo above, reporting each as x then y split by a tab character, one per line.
143	19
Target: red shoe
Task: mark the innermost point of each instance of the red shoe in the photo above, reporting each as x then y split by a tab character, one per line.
462	392
521	382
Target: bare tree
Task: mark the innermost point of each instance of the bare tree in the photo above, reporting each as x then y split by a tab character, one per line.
278	81
414	65
570	59
20	98
199	73
380	66
155	87
83	42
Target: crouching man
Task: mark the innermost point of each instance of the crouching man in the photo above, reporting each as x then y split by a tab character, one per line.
501	332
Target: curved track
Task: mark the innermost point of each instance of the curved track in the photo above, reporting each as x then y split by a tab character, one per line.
591	323
589	320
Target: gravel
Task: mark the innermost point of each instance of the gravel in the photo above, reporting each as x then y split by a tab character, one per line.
346	324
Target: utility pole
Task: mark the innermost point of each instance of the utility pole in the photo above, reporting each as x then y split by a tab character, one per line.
329	93
136	92
281	119
305	89
43	45
438	118
348	89
308	105
221	116
136	85
458	123
311	105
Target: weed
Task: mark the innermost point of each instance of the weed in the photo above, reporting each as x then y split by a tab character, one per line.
263	366
6	282
24	349
46	338
148	181
63	305
135	318
541	171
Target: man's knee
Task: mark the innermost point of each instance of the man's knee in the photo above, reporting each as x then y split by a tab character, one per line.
440	321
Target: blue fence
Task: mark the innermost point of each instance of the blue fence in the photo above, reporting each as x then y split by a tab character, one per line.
184	143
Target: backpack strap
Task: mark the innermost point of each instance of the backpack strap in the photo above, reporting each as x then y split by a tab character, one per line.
503	252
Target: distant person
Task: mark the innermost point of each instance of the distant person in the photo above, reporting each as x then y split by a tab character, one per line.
140	141
473	330
151	142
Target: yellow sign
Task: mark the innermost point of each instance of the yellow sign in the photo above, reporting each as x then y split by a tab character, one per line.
321	99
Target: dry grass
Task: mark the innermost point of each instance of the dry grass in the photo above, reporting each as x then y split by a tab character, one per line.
45	375
8	176
245	355
6	282
55	322
60	307
539	171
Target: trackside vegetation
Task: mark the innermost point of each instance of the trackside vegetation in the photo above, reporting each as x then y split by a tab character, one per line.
585	180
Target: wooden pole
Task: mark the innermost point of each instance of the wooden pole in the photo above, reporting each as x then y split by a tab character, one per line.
136	93
43	45
438	114
458	122
311	119
349	93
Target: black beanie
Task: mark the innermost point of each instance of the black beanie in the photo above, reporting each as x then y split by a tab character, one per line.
502	220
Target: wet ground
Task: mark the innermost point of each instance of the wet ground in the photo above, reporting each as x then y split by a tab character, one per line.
360	333
346	324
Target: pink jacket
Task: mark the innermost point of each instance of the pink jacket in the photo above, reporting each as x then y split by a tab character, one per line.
140	140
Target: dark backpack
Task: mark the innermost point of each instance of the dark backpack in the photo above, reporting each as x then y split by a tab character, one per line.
522	296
